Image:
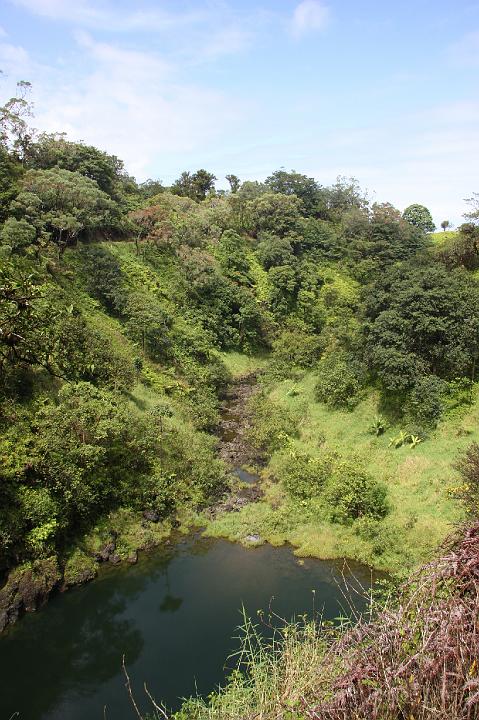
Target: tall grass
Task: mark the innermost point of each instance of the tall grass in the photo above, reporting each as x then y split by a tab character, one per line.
417	659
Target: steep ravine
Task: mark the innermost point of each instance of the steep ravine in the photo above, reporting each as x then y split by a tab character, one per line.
28	588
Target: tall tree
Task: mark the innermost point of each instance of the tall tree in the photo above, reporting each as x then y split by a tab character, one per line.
61	205
420	217
195	186
293	183
15	132
234	183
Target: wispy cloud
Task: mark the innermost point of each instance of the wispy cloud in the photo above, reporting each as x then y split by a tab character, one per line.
202	35
131	103
309	16
105	16
465	52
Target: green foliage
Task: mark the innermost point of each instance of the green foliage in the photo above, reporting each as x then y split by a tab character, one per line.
10	174
305	188
295	346
272	425
340	380
378	426
468	490
274	213
425	405
61	205
111	379
231	253
304	476
420	217
273	250
55	151
353	493
148	324
462	250
422	320
380	237
194	185
104	277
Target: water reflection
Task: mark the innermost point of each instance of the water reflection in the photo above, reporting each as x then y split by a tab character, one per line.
173	616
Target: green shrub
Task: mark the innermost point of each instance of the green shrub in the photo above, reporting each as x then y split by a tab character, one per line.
352	493
272	424
425	404
304	476
340	383
296	347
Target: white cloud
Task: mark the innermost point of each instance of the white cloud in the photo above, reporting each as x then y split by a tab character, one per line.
465	52
132	104
105	16
14	61
227	41
309	16
202	35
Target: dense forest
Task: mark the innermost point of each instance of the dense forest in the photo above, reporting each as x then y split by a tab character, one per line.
127	309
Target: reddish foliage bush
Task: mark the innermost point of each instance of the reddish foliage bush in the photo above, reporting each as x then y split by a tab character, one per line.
419	660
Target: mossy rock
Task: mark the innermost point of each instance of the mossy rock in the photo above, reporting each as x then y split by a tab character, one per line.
27	588
79	568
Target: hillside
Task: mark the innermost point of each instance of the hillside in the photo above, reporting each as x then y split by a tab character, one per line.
127	311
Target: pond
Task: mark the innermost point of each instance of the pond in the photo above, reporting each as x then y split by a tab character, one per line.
174	616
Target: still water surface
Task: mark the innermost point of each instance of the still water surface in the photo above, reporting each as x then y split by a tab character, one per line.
174	616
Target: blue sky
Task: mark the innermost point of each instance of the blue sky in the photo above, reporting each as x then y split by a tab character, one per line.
384	92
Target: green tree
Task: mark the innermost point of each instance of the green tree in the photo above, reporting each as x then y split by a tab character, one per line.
445	224
234	183
15	132
274	213
273	250
194	185
62	205
305	188
340	380
303	476
422	320
10	173
473	215
55	151
148	324
420	217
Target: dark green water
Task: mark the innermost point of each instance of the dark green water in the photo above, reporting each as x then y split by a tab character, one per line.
174	616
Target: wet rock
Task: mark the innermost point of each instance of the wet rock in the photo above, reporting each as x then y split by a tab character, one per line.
27	588
151	516
114	559
253	538
132	557
103	555
234	424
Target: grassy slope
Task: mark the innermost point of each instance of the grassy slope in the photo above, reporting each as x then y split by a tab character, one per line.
419	485
418	480
440	238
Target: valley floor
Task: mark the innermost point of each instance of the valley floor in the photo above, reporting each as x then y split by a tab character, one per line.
420	483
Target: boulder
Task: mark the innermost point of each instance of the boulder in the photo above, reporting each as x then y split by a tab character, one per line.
151	515
27	588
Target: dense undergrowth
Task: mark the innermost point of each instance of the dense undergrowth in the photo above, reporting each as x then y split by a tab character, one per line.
125	311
